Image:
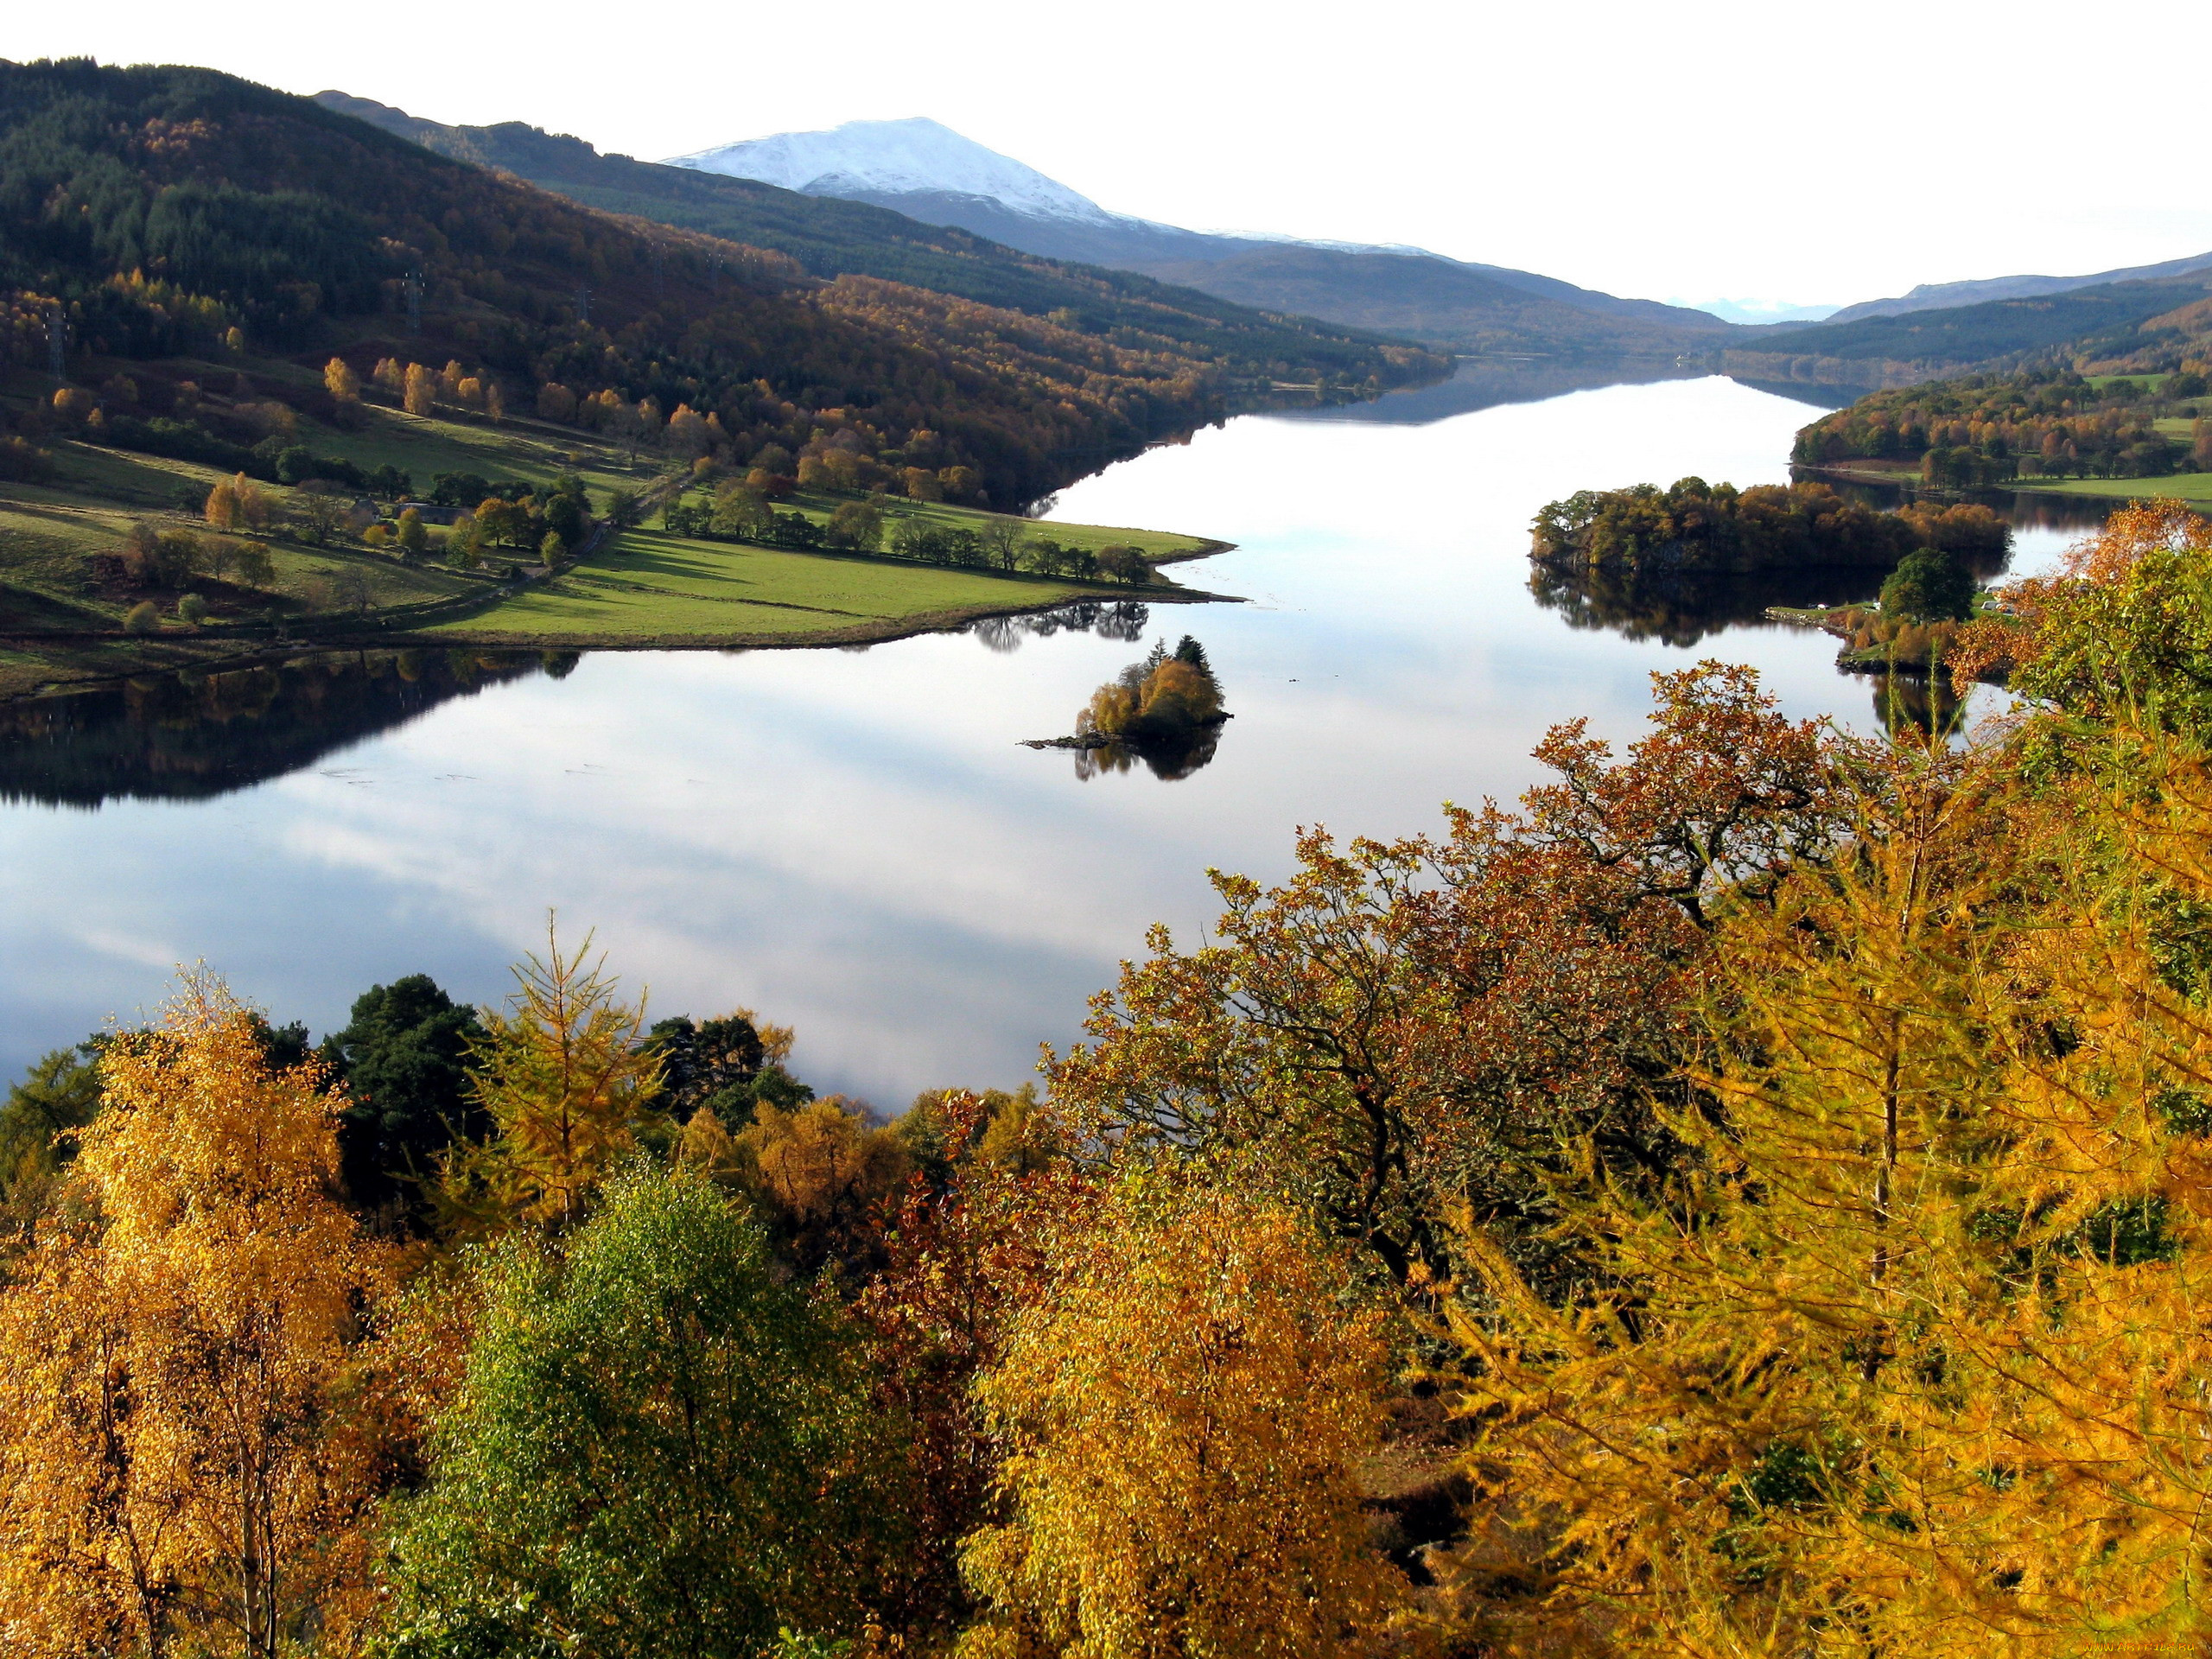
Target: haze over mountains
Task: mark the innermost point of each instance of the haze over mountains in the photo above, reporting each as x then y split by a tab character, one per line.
924	170
913	201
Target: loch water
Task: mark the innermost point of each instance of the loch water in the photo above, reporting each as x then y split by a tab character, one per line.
852	841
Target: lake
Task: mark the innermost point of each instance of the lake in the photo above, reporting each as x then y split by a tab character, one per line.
852	842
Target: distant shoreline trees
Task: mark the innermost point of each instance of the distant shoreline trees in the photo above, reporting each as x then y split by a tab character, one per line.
1694	527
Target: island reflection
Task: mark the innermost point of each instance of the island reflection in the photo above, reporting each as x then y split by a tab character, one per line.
196	734
1680	607
1165	711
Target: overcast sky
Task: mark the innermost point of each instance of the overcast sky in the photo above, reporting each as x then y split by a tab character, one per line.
1709	150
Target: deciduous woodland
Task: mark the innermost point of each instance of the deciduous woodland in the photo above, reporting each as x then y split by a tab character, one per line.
1746	1197
160	213
1986	430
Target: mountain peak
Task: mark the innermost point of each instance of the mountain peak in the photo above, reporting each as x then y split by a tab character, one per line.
897	157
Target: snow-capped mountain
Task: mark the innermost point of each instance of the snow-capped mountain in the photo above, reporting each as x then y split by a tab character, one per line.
867	159
928	172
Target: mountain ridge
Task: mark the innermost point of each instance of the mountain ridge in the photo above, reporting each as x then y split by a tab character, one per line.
925	171
1949	296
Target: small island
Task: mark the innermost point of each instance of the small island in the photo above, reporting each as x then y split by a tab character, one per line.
1695	527
1165	711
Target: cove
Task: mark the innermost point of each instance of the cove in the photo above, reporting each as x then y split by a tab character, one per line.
853	841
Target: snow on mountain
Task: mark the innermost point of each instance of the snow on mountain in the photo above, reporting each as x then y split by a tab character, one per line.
897	157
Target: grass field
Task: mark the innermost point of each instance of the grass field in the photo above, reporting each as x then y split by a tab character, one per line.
651	586
2181	487
639	587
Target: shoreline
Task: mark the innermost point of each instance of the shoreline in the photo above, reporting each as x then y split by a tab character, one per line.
217	653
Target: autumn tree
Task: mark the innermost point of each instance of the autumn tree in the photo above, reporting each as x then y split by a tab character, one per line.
412	538
566	1082
660	1446
419	389
857	525
221	510
1401	1028
963	1247
345	388
176	1465
1905	1352
1183	1412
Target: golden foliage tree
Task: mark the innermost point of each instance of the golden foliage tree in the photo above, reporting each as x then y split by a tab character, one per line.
567	1083
341	382
175	1462
419	391
1182	1411
1911	1361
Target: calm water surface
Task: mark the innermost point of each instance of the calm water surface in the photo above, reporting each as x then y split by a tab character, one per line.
852	842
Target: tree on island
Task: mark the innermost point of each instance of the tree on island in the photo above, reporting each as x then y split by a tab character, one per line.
1929	586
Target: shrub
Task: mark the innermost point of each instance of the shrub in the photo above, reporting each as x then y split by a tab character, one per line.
142	617
192	609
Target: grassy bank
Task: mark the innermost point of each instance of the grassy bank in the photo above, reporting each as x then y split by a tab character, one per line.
647	588
64	597
2195	487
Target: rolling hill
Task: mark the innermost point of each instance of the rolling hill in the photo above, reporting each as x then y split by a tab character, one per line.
165	211
1937	297
1994	334
832	237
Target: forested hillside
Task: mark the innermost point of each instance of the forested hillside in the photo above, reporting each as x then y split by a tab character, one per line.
161	211
1988	429
1996	334
832	236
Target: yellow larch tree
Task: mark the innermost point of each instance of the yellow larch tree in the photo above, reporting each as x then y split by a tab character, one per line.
176	1466
566	1080
1911	1362
420	390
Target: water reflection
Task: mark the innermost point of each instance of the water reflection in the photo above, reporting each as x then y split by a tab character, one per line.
1488	383
1909	701
1123	619
853	842
196	734
1679	608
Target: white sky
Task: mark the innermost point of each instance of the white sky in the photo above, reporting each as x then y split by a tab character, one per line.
1719	147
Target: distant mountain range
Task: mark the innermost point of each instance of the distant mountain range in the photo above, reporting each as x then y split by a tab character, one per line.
1943	296
913	201
930	172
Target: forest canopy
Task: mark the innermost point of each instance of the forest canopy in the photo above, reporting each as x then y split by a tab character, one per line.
1748	1188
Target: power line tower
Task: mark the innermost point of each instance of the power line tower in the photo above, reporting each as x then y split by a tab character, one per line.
583	305
57	345
413	289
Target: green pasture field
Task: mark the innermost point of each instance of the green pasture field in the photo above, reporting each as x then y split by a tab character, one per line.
640	586
648	586
2179	486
